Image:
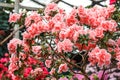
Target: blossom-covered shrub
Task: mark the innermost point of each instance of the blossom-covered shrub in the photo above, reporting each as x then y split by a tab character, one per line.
52	39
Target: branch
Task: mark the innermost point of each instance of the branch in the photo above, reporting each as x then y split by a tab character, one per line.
1	43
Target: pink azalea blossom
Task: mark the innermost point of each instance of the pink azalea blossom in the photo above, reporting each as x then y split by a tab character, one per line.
12	45
14	17
48	63
65	45
100	56
36	49
63	68
34	16
64	78
52	71
27	71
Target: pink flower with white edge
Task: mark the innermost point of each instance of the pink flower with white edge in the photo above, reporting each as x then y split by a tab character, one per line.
14	17
63	68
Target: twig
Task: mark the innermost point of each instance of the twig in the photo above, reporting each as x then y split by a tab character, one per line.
1	43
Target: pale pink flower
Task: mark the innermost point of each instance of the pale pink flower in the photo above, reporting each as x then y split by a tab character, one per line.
52	71
48	63
63	68
14	59
118	65
53	78
36	49
65	45
111	42
14	17
78	76
64	78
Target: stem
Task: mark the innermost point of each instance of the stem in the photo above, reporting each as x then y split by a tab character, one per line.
1	43
102	78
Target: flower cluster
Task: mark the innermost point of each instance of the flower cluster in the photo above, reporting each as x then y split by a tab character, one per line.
53	39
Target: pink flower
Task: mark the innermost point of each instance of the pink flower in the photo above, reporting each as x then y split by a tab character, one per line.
105	76
71	18
100	56
118	65
112	2
27	71
48	63
43	75
34	17
14	17
65	45
50	7
58	26
33	30
32	60
78	76
14	77
22	56
63	68
26	36
12	67
52	71
14	58
99	32
37	71
63	78
36	49
13	44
